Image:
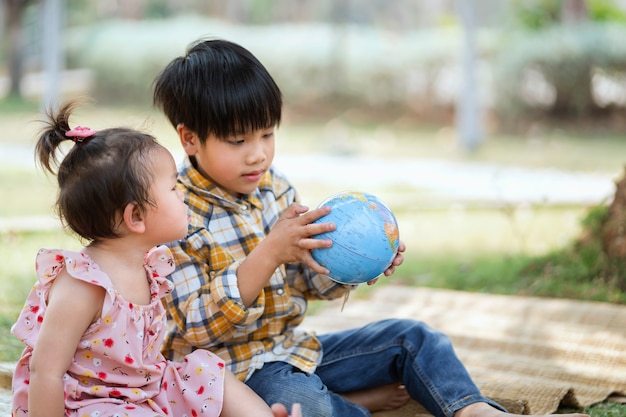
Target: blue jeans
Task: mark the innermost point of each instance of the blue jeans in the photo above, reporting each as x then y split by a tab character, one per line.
380	353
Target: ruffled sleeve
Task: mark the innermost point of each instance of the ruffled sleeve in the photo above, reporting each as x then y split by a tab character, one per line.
160	263
48	264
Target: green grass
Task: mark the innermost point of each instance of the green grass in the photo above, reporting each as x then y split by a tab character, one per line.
606	409
17	276
510	275
12	105
34	193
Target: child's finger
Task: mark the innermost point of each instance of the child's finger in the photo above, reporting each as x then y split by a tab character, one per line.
296	410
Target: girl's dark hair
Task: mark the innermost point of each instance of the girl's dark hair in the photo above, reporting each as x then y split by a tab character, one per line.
97	177
218	88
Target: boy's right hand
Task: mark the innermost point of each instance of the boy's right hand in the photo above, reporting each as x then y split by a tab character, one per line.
291	238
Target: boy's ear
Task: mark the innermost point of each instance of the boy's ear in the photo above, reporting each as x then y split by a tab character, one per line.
189	139
133	218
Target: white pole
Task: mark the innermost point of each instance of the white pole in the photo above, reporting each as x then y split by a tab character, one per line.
468	114
52	52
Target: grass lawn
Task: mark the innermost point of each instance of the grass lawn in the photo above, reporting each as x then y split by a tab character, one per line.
450	245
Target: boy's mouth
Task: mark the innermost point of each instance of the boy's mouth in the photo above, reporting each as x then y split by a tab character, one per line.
253	176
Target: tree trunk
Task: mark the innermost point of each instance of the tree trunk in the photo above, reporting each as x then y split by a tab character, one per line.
613	231
15	32
579	101
573	102
574	11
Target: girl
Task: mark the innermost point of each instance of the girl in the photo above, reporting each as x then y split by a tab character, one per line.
93	324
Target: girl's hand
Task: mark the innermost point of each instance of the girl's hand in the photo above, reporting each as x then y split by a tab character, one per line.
397	261
280	410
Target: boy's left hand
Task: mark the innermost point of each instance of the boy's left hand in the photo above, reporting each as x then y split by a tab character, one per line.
397	261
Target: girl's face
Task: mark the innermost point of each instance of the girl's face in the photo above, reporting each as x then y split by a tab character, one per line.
169	218
237	163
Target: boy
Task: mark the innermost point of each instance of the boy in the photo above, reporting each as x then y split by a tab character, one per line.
245	272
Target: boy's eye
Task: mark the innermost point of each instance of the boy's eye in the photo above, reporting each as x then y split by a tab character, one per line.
268	135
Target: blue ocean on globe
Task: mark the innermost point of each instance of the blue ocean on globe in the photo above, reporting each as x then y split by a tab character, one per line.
365	240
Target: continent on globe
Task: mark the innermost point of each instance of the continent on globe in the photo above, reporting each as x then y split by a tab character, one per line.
365	240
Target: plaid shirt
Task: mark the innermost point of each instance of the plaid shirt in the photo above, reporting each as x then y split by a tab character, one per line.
205	308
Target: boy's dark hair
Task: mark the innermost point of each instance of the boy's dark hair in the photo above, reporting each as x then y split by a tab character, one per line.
98	176
218	88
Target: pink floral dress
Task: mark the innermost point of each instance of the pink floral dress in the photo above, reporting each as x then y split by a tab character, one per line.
118	369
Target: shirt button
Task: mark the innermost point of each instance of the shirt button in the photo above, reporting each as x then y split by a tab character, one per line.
244	207
259	352
280	291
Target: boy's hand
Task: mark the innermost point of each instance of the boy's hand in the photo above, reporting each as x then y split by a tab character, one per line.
291	238
397	261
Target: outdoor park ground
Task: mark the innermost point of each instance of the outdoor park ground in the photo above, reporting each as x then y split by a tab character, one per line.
464	239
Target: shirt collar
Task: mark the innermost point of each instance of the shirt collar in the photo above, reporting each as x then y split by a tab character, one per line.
191	178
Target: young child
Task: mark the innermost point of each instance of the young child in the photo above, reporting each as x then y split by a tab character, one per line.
244	272
94	322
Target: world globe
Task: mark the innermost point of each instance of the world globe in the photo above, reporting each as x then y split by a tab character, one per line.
365	240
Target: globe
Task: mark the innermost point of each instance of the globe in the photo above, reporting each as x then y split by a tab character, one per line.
365	240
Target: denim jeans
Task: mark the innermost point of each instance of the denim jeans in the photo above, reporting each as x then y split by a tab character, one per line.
377	354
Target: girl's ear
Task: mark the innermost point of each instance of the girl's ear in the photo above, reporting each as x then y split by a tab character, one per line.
189	140
133	218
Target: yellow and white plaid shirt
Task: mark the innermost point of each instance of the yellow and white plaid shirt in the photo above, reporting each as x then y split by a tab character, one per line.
205	308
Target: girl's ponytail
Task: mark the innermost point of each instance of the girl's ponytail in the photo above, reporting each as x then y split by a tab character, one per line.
51	135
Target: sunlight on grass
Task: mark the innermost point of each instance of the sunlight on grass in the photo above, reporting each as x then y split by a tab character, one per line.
17	272
513	230
405	138
17	276
32	192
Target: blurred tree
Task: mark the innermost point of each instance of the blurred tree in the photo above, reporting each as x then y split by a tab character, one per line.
541	14
576	67
613	230
579	102
14	12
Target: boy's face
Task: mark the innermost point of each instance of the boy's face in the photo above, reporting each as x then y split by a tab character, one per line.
236	163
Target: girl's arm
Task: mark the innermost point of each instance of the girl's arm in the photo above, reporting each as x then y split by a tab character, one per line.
240	400
72	306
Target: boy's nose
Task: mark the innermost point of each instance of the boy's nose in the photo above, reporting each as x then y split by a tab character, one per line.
257	154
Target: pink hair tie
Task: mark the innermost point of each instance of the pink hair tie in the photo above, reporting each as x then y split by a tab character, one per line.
80	133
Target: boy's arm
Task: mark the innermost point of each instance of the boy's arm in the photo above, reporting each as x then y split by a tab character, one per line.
313	286
206	307
291	239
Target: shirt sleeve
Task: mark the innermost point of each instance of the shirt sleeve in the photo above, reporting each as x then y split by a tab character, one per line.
314	286
206	306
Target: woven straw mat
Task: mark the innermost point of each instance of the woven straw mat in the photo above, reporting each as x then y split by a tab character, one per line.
529	354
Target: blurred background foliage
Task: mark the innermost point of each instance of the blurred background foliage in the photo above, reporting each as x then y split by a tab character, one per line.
547	60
